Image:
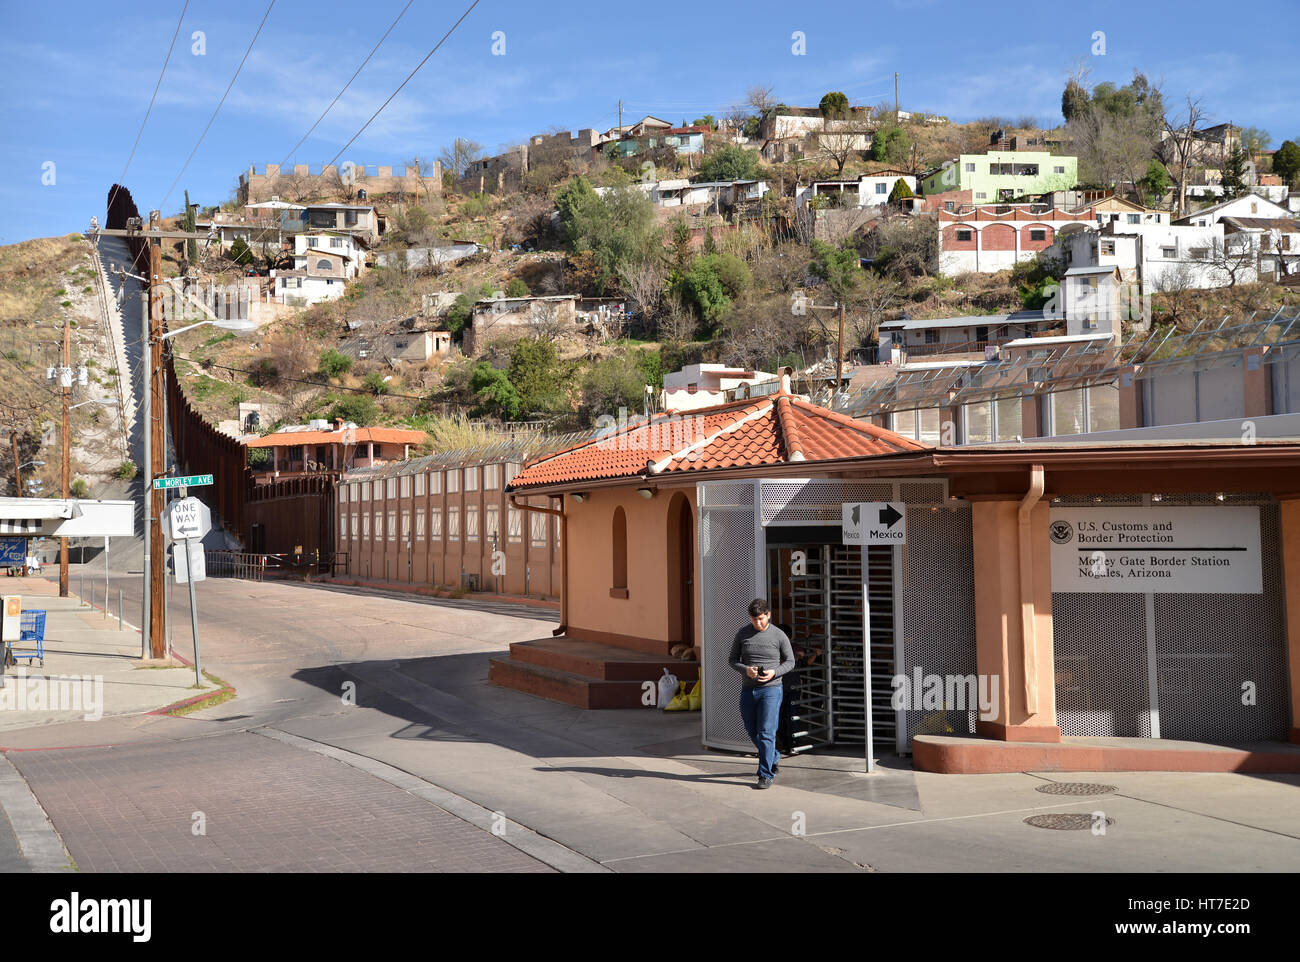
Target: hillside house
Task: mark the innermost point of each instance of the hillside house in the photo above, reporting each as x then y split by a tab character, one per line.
323	264
518	316
1249	205
988	239
319	447
1004	174
704	385
907	337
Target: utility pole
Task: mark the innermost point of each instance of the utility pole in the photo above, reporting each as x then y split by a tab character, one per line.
620	115
839	353
65	378
895	96
18	471
157	574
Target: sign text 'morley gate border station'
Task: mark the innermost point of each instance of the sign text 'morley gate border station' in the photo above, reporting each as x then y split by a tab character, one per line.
1204	550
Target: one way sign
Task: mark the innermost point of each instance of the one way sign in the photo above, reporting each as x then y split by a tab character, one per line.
190	518
875	522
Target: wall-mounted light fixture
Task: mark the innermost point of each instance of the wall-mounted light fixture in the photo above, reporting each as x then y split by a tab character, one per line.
579	497
1157	498
646	493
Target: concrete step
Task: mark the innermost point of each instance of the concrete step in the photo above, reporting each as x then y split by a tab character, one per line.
600	662
565	686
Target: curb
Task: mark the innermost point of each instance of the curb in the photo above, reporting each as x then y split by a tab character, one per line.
426	592
38	840
545	850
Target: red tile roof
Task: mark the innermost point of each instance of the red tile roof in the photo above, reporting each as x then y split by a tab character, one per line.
350	436
776	429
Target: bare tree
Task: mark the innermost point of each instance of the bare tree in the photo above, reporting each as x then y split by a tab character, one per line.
460	155
1177	288
1233	262
644	281
423	170
1184	142
760	99
677	323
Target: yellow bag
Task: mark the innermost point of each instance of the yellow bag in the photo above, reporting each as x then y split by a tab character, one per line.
696	697
680	701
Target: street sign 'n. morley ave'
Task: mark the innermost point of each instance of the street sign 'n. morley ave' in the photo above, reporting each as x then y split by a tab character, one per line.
191	481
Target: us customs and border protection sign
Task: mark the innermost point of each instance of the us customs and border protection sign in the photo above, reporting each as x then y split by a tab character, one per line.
1203	550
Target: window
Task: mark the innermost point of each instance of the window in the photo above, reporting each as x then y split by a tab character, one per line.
343	494
1058	169
963	235
295	452
1169	252
949	205
392	526
514	523
343	527
324	264
379	526
471	522
981	195
1108	248
882	188
419	484
993	169
1199	253
537	528
365	526
559	526
512	471
931	336
406	486
435	524
970	168
453	523
490	477
419	525
619	560
406	525
435	482
471	478
492	523
1134	219
1038	235
392	487
379	489
336	242
453	480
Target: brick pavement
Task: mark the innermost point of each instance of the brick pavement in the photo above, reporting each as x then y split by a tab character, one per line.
268	807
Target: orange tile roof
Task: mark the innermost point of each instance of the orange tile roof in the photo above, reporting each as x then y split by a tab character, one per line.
352	436
776	429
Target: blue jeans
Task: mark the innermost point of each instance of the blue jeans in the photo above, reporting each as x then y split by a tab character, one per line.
760	708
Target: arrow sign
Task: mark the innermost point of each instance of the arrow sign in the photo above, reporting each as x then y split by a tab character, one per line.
189	518
874	522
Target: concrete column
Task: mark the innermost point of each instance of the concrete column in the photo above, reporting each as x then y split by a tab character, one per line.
979	231
1257	384
1031	417
1290	518
1130	398
275	459
999	638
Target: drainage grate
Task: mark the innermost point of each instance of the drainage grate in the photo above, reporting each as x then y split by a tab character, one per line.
1066	821
1074	788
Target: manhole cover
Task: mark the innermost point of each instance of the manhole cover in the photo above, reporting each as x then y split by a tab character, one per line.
1074	788
1066	821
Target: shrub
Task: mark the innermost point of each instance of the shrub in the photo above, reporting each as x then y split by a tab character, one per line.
334	362
360	409
79	488
517	288
374	383
126	471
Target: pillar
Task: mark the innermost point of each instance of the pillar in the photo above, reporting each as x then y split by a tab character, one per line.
1290	518
1257	384
1130	398
999	638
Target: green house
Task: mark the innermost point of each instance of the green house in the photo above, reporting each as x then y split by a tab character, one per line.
1005	174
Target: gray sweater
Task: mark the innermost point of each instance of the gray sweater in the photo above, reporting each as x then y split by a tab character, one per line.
766	649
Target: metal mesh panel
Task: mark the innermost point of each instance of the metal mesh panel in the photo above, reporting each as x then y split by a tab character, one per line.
1205	647
1101	664
728	558
938	609
1208	645
816	501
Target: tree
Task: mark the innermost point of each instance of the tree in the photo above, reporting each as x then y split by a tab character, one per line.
702	287
1234	174
612	383
1183	140
334	362
891	145
644	282
619	228
360	409
1255	140
1286	162
1114	130
517	288
188	224
900	192
760	99
537	375
495	392
460	155
1233	262
1153	186
708	120
834	105
240	252
1074	99
729	163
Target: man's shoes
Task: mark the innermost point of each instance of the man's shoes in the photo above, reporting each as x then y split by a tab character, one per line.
764	783
776	770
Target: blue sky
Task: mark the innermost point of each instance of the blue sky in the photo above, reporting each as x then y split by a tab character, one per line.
80	72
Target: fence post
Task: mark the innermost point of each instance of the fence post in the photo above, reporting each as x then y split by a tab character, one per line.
119	609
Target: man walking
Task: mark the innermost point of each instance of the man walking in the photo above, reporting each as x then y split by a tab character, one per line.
761	653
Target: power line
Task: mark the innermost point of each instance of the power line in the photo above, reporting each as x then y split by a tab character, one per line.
219	106
346	85
140	133
404	82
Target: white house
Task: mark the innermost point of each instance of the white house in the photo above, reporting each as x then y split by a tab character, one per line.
971	334
704	385
1250	205
1275	242
323	263
870	190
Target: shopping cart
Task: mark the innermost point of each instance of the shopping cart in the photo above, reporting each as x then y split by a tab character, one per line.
31	627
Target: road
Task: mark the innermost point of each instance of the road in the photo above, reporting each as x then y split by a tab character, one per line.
366	736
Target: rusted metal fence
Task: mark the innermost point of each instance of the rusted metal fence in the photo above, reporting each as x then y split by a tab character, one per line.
255	566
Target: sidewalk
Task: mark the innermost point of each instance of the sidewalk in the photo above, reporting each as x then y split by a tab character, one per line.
92	669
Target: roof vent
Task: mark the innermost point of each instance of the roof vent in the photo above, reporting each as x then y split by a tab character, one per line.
318	424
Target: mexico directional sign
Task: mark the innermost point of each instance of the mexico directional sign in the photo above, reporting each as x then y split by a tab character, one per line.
192	481
189	518
875	522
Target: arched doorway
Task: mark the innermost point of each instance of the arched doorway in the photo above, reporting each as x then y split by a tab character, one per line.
681	570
